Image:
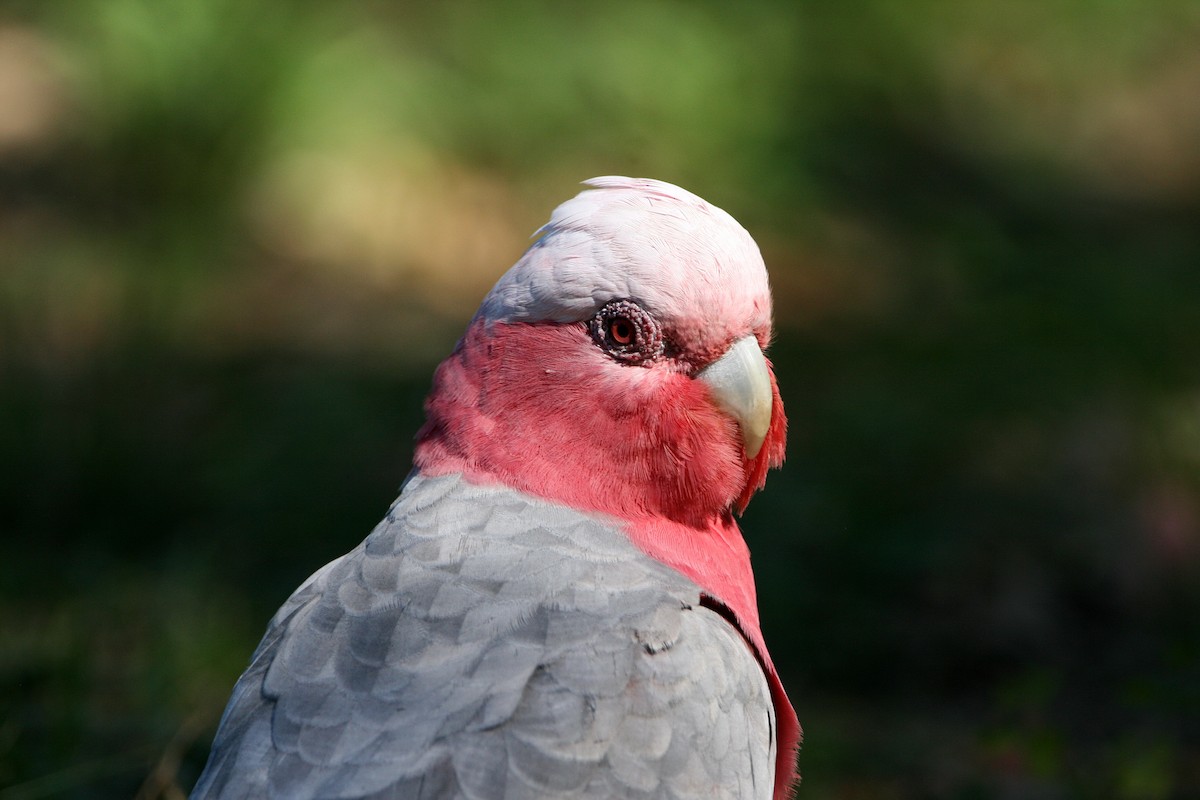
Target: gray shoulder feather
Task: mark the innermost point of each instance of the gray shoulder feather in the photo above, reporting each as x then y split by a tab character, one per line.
484	644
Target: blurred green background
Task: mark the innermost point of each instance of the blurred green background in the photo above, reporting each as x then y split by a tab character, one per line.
237	235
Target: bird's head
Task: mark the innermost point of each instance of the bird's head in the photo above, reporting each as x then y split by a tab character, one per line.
618	365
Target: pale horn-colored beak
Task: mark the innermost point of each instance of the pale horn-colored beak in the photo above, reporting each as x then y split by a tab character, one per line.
741	384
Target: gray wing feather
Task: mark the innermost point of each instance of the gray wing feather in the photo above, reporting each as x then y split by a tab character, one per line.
482	644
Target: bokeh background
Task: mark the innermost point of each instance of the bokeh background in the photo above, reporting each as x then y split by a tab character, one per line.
237	235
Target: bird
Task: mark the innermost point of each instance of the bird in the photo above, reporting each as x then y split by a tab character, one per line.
560	602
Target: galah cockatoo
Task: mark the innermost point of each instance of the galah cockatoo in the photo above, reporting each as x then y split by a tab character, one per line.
560	603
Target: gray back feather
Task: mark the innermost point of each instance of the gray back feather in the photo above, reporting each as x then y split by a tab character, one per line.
484	644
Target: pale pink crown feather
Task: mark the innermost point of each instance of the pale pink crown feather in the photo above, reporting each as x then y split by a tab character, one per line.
687	261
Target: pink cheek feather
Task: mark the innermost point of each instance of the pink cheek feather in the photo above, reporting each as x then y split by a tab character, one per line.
542	408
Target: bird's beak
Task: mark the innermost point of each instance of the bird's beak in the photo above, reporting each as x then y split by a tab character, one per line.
741	384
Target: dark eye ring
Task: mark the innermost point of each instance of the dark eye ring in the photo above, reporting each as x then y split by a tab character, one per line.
627	332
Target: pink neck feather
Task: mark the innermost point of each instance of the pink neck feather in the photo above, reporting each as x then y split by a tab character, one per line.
538	408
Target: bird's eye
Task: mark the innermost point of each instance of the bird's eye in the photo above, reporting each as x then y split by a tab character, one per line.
620	330
627	332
